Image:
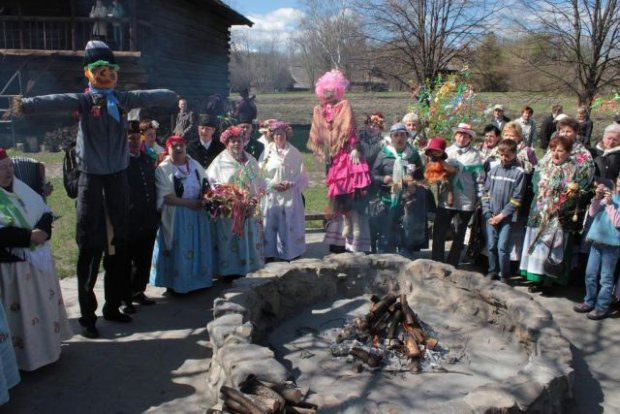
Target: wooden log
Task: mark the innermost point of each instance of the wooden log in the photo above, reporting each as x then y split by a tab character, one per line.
394	307
381	324
371	359
381	306
263	391
412	347
431	343
417	333
233	407
394	322
232	395
299	410
410	316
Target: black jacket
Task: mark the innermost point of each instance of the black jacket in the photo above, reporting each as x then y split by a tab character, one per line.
546	130
608	165
203	156
143	215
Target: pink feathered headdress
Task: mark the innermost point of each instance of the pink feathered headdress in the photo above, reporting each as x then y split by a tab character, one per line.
333	80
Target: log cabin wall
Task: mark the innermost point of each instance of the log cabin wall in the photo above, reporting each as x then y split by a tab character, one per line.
187	48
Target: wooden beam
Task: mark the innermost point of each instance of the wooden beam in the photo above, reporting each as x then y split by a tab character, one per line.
64	53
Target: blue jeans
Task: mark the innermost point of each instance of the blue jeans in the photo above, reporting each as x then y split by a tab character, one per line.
498	247
602	258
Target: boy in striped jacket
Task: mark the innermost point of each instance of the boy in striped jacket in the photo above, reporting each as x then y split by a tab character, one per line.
501	199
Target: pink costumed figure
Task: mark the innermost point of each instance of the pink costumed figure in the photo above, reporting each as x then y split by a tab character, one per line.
333	139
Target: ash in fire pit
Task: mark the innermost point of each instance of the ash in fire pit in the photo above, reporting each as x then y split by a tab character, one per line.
470	354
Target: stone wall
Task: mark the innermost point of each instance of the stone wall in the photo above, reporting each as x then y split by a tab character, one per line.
256	304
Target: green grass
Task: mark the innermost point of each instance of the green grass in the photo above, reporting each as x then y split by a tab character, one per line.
44	157
63	243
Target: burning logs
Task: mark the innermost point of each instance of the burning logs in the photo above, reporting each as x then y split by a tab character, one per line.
259	397
391	326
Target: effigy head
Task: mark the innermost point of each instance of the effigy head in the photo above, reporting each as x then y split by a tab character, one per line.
331	86
100	66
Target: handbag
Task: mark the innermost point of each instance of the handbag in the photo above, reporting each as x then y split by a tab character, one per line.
553	267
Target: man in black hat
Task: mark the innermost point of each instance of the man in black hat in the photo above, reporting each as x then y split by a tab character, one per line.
252	145
143	223
103	157
205	149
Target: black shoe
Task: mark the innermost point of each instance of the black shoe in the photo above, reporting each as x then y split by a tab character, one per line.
142	299
546	291
117	317
90	332
129	309
230	278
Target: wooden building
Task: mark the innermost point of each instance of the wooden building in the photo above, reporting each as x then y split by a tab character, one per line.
181	45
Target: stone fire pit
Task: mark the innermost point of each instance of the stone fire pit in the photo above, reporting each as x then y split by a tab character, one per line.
506	353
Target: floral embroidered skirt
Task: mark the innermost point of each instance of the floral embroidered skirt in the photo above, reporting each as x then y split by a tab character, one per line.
189	263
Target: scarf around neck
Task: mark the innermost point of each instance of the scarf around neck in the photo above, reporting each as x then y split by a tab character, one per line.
111	101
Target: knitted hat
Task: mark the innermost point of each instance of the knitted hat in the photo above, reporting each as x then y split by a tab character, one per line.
97	53
208	120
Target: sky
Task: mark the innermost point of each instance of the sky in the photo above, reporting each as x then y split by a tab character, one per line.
273	19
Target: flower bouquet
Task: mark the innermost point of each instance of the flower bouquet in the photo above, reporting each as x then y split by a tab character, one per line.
231	201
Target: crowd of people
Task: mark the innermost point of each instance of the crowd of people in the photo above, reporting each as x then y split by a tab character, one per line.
216	202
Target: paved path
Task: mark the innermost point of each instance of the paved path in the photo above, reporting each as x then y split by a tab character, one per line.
158	363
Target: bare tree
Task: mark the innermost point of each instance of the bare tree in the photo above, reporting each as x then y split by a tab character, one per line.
329	36
263	64
422	37
582	37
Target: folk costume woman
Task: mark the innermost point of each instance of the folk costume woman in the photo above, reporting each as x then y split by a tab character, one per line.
234	177
29	287
555	214
282	168
332	139
183	254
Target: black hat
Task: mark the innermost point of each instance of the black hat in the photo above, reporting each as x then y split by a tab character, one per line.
208	120
244	118
98	51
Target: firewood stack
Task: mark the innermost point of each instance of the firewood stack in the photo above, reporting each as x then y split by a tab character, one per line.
390	326
260	397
